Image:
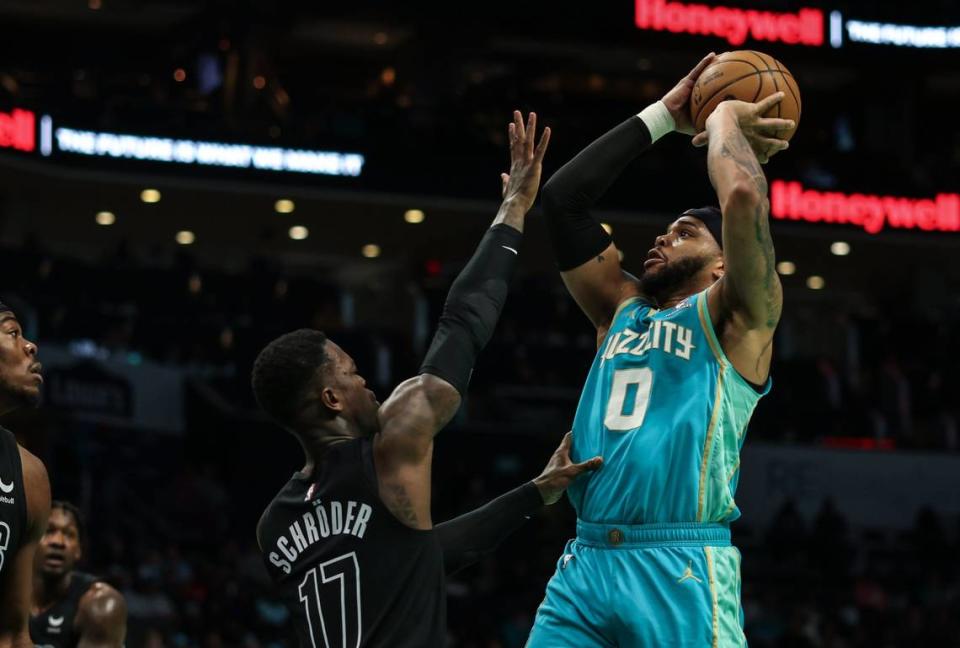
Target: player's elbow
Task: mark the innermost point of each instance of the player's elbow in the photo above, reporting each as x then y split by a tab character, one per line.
442	397
743	197
559	197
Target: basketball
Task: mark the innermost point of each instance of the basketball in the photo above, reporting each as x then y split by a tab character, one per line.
748	76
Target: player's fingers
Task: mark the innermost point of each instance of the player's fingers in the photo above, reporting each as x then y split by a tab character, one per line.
518	120
504	179
773	124
531	131
700	139
589	464
701	66
769	145
542	146
566	441
767	103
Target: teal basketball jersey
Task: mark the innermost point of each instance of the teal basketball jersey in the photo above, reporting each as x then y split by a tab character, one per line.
668	413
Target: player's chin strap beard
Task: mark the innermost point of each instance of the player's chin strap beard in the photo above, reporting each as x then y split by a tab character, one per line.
673	274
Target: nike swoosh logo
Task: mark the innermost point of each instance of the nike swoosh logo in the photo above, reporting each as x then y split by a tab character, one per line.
6	488
511	249
56	621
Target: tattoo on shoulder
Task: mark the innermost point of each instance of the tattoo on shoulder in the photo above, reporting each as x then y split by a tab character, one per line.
599	258
402	505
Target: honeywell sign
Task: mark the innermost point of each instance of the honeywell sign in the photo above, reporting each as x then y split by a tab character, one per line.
18	130
804	27
791	201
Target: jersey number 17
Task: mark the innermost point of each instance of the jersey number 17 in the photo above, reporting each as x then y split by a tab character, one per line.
338	625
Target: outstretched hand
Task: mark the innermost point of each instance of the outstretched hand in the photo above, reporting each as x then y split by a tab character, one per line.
677	100
763	133
526	161
561	471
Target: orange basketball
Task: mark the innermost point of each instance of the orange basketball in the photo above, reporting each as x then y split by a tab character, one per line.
748	76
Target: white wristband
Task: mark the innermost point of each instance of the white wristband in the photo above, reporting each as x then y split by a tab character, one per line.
658	119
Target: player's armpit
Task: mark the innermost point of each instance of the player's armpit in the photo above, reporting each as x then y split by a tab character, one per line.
749	349
102	618
600	285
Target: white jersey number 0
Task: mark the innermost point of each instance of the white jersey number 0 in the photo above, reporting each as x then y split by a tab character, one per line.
629	398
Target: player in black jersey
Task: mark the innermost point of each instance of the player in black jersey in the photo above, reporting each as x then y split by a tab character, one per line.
71	608
24	486
350	539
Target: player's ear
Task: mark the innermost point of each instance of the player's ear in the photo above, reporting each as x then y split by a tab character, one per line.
331	400
719	268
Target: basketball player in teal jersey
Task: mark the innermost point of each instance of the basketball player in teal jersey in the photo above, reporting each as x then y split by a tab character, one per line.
683	357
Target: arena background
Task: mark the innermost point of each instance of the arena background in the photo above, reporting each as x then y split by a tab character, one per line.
149	313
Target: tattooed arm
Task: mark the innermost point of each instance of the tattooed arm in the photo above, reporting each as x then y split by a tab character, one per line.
422	406
745	304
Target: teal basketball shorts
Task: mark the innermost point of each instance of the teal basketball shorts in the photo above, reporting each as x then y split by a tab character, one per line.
650	586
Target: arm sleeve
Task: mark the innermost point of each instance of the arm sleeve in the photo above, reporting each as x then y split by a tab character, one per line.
471	536
473	307
575	236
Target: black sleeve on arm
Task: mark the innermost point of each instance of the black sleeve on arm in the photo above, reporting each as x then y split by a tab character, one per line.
471	536
571	191
473	307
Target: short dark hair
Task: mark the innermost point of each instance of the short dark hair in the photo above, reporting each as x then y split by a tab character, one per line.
284	370
74	510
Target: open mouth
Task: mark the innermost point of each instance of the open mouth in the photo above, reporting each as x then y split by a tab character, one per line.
54	560
654	257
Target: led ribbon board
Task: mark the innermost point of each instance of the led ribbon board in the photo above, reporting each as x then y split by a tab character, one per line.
18	130
874	33
190	152
792	201
802	27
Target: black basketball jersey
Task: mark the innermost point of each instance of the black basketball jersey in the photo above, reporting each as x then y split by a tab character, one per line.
349	572
13	502
54	628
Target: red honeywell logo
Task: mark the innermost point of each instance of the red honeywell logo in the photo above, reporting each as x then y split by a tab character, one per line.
17	130
791	201
804	27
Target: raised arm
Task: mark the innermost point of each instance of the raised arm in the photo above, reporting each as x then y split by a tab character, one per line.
748	299
16	593
420	407
102	618
469	537
586	255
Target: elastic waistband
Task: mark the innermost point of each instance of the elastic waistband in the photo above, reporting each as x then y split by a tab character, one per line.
629	536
